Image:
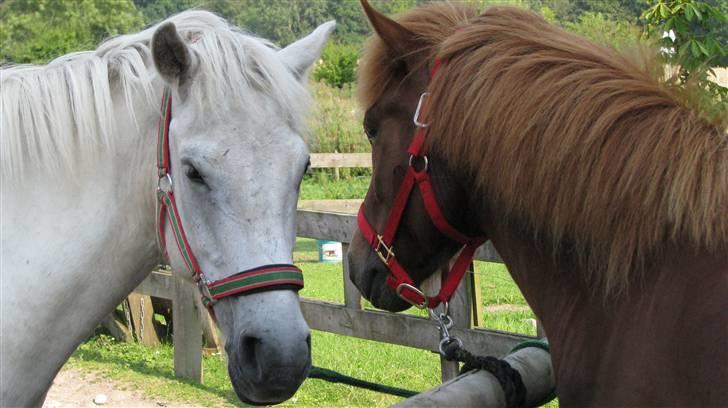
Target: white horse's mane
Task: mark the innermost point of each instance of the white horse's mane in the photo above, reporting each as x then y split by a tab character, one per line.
55	115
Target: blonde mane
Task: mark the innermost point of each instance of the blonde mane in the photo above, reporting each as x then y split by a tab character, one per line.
585	146
55	115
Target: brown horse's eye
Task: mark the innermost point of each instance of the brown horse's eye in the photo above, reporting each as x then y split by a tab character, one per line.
371	131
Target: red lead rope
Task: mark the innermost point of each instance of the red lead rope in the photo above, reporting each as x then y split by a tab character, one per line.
400	280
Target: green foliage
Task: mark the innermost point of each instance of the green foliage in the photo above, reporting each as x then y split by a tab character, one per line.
322	186
156	10
36	31
336	121
695	46
602	29
569	11
337	66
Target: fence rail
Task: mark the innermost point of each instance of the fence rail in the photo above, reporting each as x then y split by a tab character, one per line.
348	319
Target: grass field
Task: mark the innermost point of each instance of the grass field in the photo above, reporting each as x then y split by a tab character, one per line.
150	369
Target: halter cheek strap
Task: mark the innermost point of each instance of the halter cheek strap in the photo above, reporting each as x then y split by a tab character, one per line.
383	245
262	278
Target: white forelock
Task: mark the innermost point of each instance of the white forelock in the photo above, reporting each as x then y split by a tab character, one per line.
52	116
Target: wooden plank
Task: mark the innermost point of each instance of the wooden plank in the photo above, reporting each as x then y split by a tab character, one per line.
142	319
159	283
117	329
327	160
321	225
487	253
337	206
340	227
352	297
208	325
405	330
472	280
187	332
480	388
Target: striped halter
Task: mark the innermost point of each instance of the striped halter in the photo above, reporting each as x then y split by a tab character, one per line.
259	279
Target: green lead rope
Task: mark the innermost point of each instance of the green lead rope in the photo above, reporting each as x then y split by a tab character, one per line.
334	377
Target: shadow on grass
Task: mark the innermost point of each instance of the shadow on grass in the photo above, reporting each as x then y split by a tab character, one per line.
149	368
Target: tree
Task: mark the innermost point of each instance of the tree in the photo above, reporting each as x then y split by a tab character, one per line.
689	31
35	31
603	29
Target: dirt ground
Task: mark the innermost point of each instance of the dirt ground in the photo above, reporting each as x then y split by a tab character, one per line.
79	388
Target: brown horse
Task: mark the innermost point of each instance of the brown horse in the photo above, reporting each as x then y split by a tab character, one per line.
603	189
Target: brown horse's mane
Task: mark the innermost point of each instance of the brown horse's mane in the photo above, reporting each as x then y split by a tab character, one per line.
590	148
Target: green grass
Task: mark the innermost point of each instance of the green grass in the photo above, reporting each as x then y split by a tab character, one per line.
150	369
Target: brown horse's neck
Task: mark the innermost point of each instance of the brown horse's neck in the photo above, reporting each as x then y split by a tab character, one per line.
651	338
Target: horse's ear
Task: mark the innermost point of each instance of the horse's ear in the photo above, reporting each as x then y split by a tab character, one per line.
399	40
301	55
171	55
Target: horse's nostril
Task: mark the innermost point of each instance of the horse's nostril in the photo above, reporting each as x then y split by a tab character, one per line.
249	344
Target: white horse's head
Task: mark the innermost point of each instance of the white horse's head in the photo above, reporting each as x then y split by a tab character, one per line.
236	166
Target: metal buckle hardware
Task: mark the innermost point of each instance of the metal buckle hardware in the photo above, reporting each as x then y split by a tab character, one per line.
202	283
164	183
416	118
389	249
407	286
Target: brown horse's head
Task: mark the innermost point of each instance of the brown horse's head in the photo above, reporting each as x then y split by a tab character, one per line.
393	76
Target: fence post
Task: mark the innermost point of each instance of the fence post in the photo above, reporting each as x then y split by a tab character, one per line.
476	298
187	332
352	297
460	311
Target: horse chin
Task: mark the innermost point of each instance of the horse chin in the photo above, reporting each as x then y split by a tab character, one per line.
386	299
372	283
276	385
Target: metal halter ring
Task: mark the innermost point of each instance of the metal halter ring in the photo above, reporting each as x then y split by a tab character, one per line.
403	286
204	289
424	169
165	183
416	119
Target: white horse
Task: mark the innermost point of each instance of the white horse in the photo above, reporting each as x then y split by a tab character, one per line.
78	192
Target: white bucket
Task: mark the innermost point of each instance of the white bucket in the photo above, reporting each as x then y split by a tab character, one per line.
329	251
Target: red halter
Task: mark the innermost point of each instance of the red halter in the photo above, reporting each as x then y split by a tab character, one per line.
400	280
266	277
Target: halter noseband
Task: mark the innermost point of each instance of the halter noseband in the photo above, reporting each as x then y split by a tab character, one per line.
382	244
262	278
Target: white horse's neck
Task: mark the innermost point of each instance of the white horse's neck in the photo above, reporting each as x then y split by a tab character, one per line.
80	243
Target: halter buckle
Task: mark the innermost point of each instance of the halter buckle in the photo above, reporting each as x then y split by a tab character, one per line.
207	298
416	118
164	183
389	250
403	286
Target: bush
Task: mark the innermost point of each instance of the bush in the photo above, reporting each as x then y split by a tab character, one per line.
335	123
337	66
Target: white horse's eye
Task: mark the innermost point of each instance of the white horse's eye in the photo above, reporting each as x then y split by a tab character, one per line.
194	175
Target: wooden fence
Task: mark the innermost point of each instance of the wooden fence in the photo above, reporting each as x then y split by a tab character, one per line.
349	318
